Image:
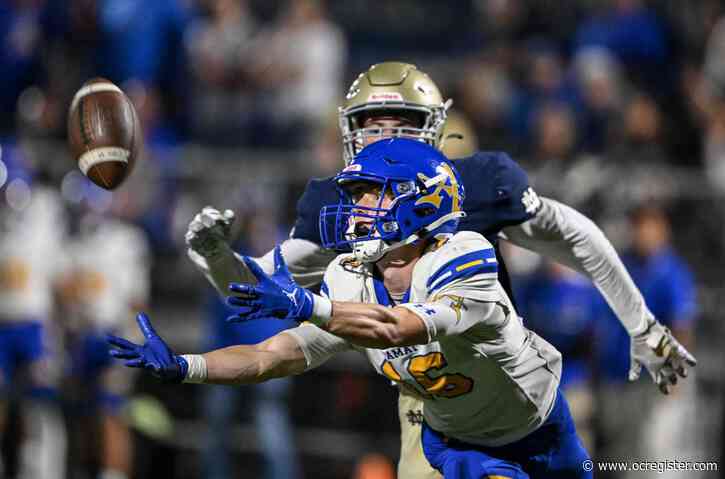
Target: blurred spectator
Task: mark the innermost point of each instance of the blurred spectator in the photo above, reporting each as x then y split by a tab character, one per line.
155	186
554	152
601	90
639	149
544	82
327	147
32	235
143	41
299	63
710	98
559	305
221	47
20	49
107	282
667	286
268	403
636	35
486	94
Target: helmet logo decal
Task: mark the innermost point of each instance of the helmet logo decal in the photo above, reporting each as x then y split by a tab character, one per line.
436	197
386	96
354	88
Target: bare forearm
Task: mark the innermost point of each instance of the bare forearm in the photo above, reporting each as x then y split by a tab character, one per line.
277	357
374	326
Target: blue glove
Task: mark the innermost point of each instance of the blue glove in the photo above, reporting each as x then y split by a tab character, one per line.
273	296
154	355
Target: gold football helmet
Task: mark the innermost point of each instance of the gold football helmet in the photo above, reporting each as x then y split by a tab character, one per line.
397	90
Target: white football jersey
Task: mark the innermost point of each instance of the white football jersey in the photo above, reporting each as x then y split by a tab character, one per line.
31	257
484	378
111	273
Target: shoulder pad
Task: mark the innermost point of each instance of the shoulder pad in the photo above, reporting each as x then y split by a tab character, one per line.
497	192
466	254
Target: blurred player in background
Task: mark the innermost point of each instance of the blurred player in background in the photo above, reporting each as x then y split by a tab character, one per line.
33	229
668	428
394	99
107	279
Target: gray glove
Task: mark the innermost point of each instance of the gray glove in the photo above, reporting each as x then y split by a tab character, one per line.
661	354
209	232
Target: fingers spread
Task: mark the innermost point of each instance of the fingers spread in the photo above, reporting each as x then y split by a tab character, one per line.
144	324
136	363
254	268
120	343
245	290
243	302
119	354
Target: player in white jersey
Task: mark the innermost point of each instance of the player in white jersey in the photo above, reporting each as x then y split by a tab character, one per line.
109	278
396	99
32	230
489	386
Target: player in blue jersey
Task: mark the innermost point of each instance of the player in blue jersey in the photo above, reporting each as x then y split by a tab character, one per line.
397	100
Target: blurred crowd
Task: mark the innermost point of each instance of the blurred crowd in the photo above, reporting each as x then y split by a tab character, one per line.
616	107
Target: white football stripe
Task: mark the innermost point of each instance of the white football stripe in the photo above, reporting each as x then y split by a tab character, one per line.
91	158
93	88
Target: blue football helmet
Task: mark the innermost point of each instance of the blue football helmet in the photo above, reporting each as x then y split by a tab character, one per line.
426	196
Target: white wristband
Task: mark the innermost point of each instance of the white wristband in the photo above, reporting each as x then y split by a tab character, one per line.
196	374
321	310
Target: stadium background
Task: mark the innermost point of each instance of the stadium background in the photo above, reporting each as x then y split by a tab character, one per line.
609	105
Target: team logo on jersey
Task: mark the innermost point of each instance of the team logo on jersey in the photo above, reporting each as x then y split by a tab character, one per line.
448	186
415	417
457	305
531	201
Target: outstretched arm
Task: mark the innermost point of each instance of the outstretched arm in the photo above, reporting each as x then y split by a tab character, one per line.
565	235
278	356
561	233
208	248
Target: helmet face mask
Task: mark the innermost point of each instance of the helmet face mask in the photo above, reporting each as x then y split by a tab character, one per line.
396	91
418	196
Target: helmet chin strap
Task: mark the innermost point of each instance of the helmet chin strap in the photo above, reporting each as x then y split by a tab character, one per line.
373	250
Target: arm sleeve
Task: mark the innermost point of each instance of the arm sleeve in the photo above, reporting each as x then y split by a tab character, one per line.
306	261
462	288
456	312
317	345
565	235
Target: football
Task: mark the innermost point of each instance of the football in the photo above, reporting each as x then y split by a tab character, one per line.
104	133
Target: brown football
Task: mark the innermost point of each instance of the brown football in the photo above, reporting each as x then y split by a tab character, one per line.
104	133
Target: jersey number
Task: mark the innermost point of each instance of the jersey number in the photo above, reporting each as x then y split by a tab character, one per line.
14	275
421	367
